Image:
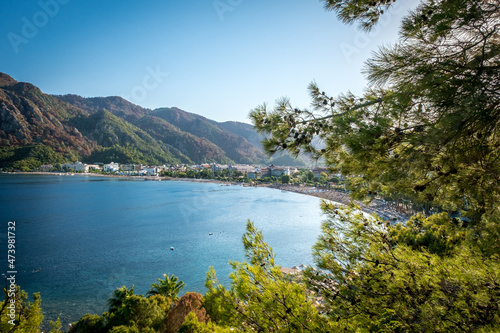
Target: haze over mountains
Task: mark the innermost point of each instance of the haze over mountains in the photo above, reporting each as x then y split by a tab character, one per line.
103	129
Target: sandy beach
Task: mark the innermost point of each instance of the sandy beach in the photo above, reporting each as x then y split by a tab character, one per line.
376	206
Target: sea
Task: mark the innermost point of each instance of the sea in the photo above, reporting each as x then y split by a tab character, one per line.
78	238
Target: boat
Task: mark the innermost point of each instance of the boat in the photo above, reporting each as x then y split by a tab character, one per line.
171	248
210	234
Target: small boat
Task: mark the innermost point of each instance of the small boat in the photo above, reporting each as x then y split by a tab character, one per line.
210	234
171	248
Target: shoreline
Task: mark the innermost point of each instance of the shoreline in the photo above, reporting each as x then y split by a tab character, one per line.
377	206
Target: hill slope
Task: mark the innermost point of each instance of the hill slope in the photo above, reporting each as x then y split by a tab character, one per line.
105	129
29	117
236	147
126	143
202	139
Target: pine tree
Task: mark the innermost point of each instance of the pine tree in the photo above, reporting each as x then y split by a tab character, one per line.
426	130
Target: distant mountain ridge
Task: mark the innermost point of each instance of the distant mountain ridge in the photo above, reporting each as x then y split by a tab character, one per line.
200	138
109	129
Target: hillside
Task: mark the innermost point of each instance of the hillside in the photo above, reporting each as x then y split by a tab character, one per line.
199	149
202	139
124	142
116	105
38	128
30	118
236	147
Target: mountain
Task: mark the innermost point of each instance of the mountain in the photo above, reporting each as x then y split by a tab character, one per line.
246	131
201	139
199	149
39	128
115	104
29	117
237	148
126	142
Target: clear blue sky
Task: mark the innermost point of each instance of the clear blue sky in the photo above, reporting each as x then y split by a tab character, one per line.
219	59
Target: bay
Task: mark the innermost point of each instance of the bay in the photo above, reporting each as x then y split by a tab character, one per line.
80	237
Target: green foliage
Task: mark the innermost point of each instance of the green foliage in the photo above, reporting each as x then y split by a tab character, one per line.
55	326
122	142
437	233
261	297
118	298
192	325
46	155
309	176
427	127
285	179
426	130
137	312
323	177
169	287
27	164
28	158
19	315
122	155
392	279
366	12
89	324
127	313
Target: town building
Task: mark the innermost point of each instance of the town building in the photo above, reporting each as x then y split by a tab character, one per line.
76	166
111	167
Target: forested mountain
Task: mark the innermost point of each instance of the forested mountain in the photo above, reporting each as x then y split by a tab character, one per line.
125	142
105	129
236	147
32	122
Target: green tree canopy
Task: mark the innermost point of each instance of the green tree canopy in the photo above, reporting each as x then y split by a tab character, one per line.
17	314
118	298
169	286
261	297
426	129
427	126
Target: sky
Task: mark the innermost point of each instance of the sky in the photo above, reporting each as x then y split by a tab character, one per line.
216	58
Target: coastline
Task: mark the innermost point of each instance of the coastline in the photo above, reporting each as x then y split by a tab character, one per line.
377	206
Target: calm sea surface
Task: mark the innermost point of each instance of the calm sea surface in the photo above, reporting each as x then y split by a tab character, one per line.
78	238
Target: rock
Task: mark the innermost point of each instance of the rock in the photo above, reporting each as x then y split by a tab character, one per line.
190	302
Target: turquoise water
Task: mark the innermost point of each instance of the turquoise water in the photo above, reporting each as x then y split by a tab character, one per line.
78	238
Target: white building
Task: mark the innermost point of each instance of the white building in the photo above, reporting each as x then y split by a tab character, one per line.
150	171
89	167
77	166
111	167
242	168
